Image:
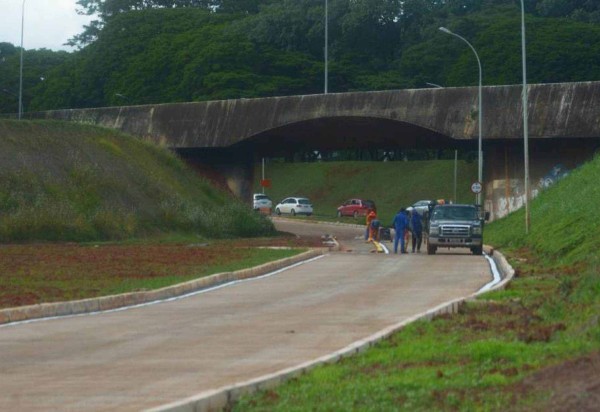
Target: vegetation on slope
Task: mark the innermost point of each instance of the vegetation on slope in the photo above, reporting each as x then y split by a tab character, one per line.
161	51
391	185
564	222
534	346
68	182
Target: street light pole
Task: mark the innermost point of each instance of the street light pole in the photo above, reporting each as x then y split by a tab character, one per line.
524	96
326	44
480	165
21	66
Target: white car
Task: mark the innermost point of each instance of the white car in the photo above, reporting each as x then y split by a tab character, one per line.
262	201
294	206
422	206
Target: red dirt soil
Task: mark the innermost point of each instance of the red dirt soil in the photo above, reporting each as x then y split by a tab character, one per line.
573	385
36	273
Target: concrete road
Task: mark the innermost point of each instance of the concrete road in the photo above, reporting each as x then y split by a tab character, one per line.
149	356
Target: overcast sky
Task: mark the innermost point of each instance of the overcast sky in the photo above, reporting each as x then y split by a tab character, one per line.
48	23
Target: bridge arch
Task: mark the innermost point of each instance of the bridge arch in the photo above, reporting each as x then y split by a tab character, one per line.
347	132
563	124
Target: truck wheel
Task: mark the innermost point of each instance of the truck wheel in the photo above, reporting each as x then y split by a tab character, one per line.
355	214
431	249
278	212
477	250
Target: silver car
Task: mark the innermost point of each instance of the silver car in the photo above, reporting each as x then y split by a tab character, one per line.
262	201
422	206
294	206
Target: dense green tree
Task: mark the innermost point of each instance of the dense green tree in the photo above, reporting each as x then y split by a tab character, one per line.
105	10
166	51
37	66
581	10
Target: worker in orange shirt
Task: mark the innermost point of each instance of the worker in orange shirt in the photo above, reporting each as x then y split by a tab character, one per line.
369	231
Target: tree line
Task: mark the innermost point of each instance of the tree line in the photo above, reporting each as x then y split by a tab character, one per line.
158	51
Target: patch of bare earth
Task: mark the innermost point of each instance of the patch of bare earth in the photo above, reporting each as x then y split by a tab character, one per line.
573	385
50	272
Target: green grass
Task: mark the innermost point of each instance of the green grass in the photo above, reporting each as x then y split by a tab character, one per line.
478	359
391	185
62	181
40	273
470	361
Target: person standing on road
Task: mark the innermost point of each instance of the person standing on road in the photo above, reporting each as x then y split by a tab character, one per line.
416	227
370	217
374	230
400	224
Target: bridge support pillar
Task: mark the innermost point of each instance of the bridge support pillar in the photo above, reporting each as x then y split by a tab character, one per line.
550	159
230	169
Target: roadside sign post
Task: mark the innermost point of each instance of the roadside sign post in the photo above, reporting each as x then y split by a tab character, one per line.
476	188
263	175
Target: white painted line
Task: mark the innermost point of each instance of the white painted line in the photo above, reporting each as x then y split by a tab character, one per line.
495	273
154	302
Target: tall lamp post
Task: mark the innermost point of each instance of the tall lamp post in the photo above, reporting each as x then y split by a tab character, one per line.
480	166
21	66
525	121
326	43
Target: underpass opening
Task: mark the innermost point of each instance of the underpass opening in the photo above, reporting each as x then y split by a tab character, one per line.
339	133
232	168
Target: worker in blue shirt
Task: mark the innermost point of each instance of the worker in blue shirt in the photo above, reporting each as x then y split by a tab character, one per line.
416	228
400	224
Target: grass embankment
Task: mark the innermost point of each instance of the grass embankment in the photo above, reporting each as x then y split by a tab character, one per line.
65	182
68	182
533	346
390	184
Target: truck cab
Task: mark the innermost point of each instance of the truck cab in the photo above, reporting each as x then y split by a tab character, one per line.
455	226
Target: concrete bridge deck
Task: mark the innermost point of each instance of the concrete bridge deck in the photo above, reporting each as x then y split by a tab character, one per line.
393	117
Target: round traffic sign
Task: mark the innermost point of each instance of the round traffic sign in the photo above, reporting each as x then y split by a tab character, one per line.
476	187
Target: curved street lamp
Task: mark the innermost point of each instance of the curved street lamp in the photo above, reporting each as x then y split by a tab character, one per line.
21	66
480	165
525	121
326	44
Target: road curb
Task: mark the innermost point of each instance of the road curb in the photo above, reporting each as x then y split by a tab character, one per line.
105	303
221	398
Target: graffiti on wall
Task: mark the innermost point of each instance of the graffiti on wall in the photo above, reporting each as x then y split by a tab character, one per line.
558	172
509	195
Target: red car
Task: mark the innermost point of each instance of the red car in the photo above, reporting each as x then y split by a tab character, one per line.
356	208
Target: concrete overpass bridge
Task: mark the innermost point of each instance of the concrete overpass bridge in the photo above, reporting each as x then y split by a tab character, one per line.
230	135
